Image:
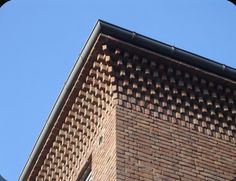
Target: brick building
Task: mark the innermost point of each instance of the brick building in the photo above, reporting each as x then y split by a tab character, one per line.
136	109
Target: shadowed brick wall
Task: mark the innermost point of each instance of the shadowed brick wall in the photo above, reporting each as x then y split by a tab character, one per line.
174	122
149	148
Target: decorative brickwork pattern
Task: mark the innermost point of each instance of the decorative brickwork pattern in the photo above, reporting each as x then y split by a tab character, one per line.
85	121
153	149
141	116
174	122
176	94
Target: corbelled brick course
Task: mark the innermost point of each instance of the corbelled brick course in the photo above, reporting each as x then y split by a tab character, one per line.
173	123
138	115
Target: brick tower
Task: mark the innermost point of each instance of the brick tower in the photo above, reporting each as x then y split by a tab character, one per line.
137	109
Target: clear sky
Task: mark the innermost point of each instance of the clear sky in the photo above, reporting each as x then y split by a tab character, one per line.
41	40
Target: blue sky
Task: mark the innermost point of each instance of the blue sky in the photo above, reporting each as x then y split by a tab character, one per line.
41	40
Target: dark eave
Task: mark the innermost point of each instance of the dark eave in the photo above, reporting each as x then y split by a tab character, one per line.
167	50
132	38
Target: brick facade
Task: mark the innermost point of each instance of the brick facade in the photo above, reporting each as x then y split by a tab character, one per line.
173	123
138	115
149	148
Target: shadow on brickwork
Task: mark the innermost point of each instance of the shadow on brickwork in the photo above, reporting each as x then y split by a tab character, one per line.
234	179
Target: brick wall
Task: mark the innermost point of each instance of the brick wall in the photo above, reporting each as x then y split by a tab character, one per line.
149	148
101	152
141	116
174	121
104	150
85	128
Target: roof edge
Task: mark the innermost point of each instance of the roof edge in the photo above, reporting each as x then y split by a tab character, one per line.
168	50
133	38
60	102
